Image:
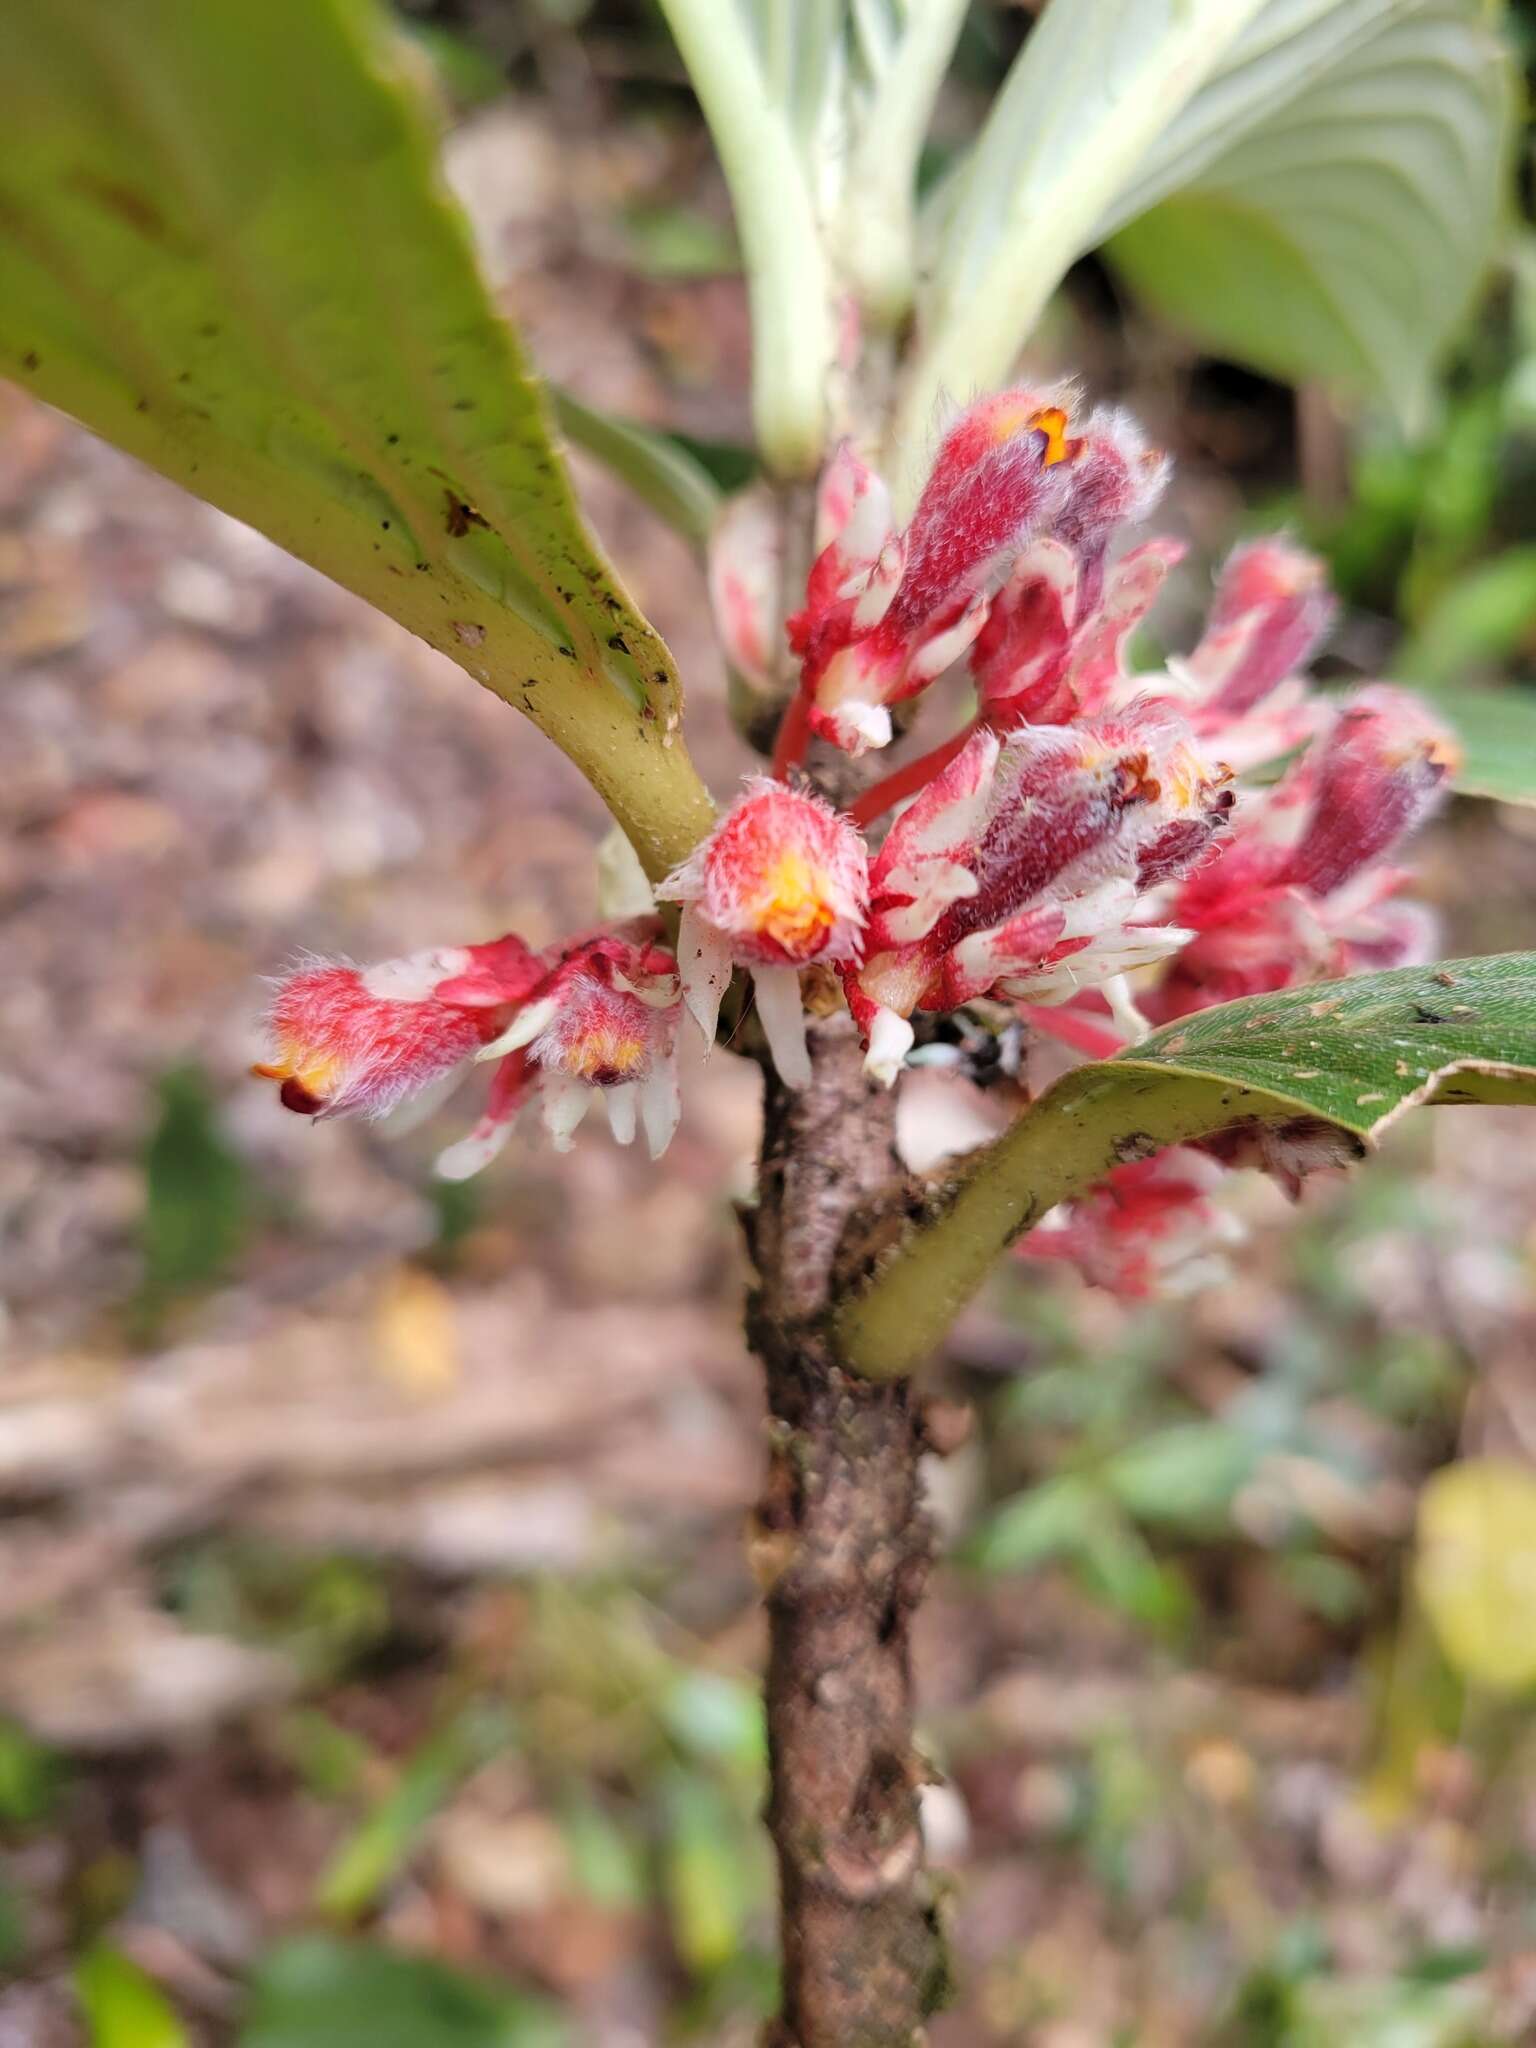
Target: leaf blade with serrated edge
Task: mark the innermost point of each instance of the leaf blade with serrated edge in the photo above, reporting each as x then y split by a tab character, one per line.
224	246
1355	1053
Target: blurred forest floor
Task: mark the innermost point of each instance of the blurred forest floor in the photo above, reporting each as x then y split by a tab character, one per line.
372	1589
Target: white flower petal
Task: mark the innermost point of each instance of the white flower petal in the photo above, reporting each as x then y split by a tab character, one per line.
861	725
782	1015
1122	1007
704	962
621	1106
565	1101
413	979
464	1159
890	1040
933	886
622	887
661	1104
946	648
524	1028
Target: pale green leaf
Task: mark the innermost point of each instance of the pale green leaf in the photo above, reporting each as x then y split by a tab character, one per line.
1094	87
1497	730
1481	619
224	246
123	2007
312	1992
1475	1569
656	468
744	71
372	1856
1351	1054
1331	199
1324	179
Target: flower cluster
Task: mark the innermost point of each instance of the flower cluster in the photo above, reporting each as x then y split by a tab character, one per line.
1018	871
1091	853
887	610
596	1017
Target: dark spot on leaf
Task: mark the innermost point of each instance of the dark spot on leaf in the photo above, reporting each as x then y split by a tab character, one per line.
393	440
1423	1016
31	360
131	207
1133	1145
463	405
460	515
618	643
384	525
568	652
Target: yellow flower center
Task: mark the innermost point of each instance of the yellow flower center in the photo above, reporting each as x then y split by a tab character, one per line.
1050	420
792	908
606	1054
312	1074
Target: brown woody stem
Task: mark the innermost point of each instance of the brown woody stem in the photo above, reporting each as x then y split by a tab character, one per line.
843	1548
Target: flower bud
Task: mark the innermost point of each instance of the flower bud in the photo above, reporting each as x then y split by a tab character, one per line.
1153	1227
886	614
1016	871
1271	611
1384	768
1041	658
348	1040
598	1017
601	1025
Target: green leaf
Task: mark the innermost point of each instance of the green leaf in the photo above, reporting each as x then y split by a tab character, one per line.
314	1992
1329	202
1351	1054
1045	1521
708	1871
197	1198
31	1777
1184	1476
224	246
751	96
123	2007
1484	616
657	469
1085	101
716	1719
369	1858
1475	1570
1497	730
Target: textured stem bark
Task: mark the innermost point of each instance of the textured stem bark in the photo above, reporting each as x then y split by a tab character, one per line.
843	1549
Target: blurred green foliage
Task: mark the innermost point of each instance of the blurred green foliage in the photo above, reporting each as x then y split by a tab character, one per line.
314	1992
371	1856
123	2008
197	1201
31	1778
322	1612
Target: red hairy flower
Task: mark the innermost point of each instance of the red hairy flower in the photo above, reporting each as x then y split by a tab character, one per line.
596	1017
1017	870
781	881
